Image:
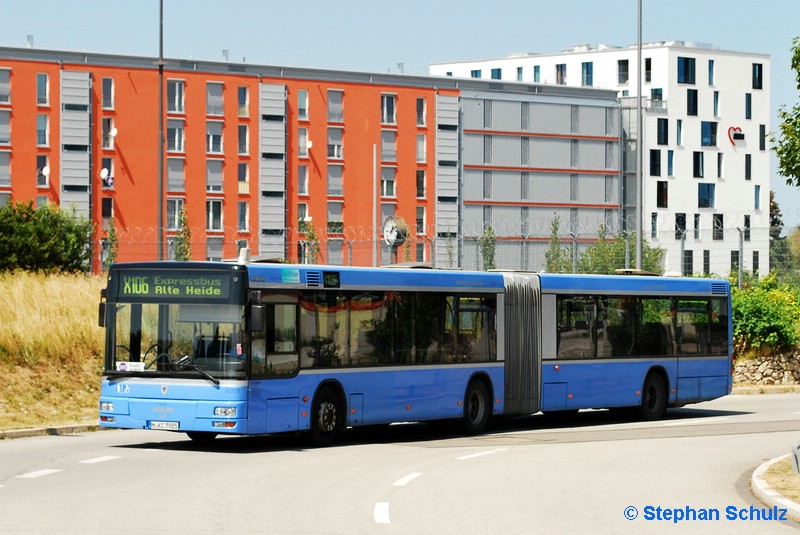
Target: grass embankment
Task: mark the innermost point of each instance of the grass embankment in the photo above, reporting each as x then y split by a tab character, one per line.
50	349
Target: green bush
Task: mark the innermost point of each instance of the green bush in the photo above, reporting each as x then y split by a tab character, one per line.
766	315
44	239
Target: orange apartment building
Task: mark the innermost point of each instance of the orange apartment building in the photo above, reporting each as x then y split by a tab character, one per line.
258	155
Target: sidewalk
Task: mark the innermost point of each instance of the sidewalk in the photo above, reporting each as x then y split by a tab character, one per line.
770	497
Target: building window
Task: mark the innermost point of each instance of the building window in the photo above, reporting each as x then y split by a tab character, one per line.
388	175
335	146
420	183
755	262
214	176
335	221
685	70
5	86
663	131
587	73
42	89
748	167
243	173
175	141
688	263
655	162
388	145
302	105
718	232
748	105
335	181
42	130
107	172
109	132
174	209
214	214
670	163
561	73
475	73
243	99
497	74
691	102
420	220
762	137
42	169
214	137
175	99
746	230
720	165
244	139
708	134
679	132
243	216
537	74
5	127
108	93
697	164
302	179
175	174
421	148
519	74
716	103
696	226
388	112
706	262
421	109
654	226
5	173
302	215
622	71
335	106
711	75
758	76
648	70
302	142
214	98
705	195
662	190
757	201
680	226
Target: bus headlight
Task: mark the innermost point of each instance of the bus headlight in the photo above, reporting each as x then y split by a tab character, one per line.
106	406
225	411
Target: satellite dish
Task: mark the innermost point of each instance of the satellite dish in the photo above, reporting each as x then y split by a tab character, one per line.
309	144
103	173
46	170
113	132
395	231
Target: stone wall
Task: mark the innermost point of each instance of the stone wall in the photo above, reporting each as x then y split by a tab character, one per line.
770	370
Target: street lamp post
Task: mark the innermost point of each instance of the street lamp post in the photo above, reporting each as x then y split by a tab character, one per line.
160	64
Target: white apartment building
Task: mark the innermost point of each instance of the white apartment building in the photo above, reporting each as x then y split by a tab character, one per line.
705	169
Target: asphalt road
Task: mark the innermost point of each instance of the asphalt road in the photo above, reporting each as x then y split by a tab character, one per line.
526	475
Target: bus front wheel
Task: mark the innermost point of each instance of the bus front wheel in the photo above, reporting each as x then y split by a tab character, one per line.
654	398
327	418
476	408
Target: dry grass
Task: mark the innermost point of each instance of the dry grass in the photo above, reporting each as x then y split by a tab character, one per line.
50	348
782	478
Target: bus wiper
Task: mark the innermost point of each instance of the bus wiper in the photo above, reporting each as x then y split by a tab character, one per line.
186	362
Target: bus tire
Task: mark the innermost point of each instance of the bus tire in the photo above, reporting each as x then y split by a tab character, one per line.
476	408
327	418
654	397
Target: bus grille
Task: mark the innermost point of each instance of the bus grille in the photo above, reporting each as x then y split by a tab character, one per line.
718	288
313	278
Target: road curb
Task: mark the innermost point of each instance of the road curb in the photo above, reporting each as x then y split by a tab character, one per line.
44	431
767	495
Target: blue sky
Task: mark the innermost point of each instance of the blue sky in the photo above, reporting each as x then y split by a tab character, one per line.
377	36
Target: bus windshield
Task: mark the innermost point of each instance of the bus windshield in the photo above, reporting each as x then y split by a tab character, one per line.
176	338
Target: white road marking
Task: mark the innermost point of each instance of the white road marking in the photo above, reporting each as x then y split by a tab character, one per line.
381	513
38	473
698	421
100	459
403	481
481	454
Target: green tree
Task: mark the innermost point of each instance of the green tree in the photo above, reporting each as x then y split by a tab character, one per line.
183	240
766	314
45	239
608	255
113	245
787	144
313	242
556	257
486	243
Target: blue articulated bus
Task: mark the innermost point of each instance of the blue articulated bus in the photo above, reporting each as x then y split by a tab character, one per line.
208	348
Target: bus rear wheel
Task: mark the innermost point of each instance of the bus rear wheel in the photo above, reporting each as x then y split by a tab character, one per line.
476	408
327	418
654	398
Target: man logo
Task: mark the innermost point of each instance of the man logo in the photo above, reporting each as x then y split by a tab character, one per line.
164	390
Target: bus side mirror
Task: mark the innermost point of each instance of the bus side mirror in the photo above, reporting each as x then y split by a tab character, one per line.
257	313
101	314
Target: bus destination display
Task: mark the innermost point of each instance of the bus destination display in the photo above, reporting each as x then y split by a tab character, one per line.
189	285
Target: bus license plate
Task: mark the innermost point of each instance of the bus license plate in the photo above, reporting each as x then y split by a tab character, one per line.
165	426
